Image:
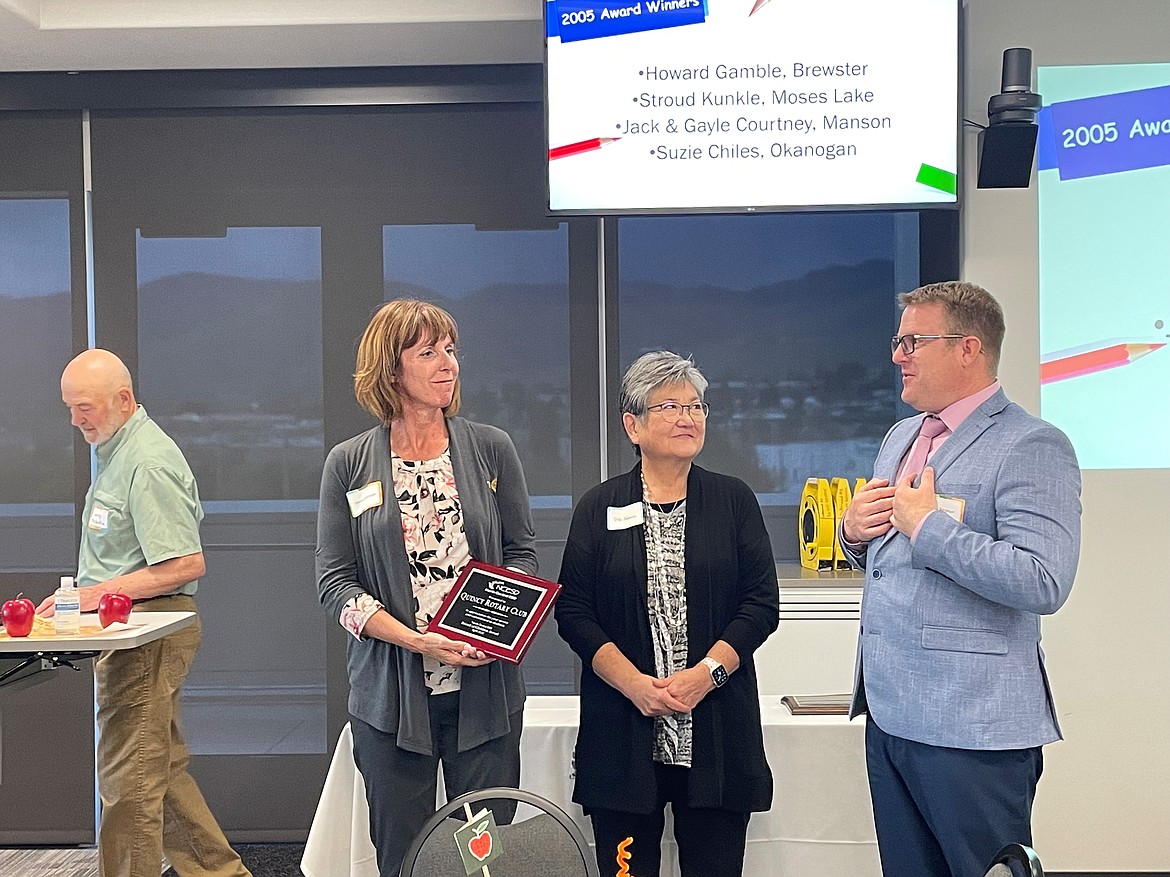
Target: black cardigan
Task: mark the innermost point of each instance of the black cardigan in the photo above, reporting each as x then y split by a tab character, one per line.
732	594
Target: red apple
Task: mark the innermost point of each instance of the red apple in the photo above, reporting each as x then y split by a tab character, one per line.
480	846
18	616
113	607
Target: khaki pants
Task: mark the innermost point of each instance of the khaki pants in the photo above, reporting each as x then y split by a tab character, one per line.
150	803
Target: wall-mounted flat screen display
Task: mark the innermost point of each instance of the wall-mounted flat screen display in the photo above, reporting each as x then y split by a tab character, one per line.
740	105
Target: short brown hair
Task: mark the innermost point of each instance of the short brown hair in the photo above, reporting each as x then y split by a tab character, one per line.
395	327
969	309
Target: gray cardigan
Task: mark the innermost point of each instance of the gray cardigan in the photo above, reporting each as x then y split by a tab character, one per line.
367	555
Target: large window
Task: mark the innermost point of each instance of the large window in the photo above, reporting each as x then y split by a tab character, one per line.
789	317
41	459
229	339
229	352
36	440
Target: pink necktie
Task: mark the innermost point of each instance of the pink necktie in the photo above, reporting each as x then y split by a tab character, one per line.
932	427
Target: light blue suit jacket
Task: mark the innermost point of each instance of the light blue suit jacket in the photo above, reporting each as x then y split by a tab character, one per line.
949	652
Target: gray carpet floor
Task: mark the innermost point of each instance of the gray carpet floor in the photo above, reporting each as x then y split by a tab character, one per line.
263	860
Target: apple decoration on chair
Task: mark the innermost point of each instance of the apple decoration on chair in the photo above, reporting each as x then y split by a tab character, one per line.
18	616
481	845
114	606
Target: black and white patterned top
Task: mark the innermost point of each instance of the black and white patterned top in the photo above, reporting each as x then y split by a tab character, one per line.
436	546
667	601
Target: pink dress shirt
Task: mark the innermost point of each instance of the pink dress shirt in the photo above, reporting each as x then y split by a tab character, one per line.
951	416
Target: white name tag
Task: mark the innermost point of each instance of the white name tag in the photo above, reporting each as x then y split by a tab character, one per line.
99	519
623	518
952	506
364	498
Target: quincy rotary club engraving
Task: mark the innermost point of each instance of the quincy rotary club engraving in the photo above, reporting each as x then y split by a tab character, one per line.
496	610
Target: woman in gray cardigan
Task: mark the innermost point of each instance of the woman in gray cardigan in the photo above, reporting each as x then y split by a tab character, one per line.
404	507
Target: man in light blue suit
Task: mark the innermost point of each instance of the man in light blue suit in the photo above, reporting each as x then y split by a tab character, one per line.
960	563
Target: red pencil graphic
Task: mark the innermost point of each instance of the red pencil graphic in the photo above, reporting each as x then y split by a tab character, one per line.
1065	364
579	147
757	6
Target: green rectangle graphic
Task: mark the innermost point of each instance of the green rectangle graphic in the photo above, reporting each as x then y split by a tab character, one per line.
937	178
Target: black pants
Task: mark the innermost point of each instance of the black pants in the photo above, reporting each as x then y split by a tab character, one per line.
401	785
944	812
710	842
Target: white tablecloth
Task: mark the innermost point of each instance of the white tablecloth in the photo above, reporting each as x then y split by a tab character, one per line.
820	823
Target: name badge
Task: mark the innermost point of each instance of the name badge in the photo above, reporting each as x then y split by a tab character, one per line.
364	498
623	518
99	519
952	506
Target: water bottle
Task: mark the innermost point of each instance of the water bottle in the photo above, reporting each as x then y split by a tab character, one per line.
67	614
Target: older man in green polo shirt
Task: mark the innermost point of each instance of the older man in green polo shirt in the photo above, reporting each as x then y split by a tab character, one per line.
141	537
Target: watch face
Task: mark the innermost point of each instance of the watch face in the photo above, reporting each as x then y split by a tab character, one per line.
718	671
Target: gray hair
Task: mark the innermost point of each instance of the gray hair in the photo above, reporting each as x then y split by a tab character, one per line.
653	370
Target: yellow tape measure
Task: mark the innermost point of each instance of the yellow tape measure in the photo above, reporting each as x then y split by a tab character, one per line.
816	524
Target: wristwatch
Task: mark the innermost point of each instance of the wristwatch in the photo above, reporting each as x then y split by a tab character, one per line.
718	671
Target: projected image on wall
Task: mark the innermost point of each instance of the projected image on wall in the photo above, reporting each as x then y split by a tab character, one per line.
1104	188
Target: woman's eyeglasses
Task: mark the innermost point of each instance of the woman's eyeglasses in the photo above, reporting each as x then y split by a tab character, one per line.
673	411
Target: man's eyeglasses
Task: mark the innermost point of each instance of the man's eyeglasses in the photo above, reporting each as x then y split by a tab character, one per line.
673	411
908	343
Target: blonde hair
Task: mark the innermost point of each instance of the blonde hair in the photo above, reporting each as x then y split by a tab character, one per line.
395	327
969	309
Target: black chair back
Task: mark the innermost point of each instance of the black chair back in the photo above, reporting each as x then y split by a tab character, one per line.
548	843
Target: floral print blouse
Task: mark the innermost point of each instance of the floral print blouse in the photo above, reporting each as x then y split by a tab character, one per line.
436	552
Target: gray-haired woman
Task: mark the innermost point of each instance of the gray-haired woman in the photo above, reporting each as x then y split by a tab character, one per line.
669	588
